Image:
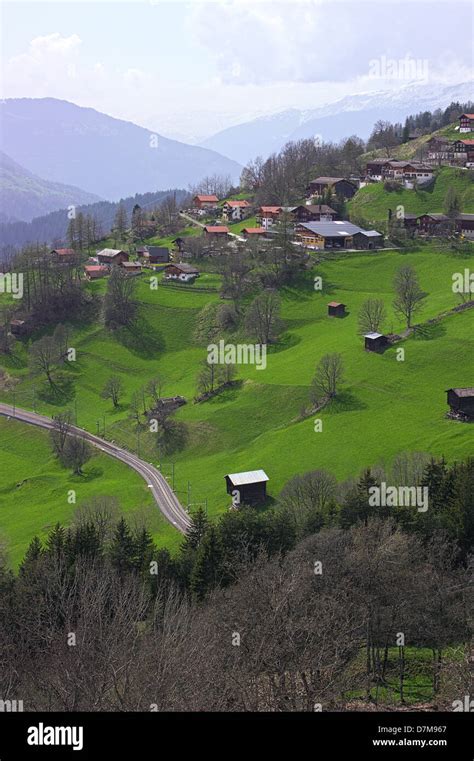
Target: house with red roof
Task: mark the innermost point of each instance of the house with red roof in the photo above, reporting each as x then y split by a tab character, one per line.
268	215
216	231
235	210
201	201
253	232
63	254
95	271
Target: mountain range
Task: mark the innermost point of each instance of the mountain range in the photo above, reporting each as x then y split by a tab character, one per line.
112	158
24	196
352	115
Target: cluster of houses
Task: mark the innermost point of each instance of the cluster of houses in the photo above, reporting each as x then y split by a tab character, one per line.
408	173
100	265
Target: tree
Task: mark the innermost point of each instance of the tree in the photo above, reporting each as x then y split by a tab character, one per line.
120	223
197	529
113	389
262	319
61	427
77	451
122	549
372	315
329	373
452	205
207	568
120	307
409	296
44	356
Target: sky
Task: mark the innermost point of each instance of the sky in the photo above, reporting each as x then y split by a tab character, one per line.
188	69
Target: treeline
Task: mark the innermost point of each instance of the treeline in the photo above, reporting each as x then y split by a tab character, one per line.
52	228
278	610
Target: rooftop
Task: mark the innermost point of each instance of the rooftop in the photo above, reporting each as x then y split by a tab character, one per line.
247	477
464	392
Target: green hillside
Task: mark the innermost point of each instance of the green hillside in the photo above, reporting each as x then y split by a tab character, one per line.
373	201
385	407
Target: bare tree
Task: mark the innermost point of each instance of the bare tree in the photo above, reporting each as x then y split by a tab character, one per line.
60	431
262	319
44	356
372	315
328	376
409	296
77	451
113	389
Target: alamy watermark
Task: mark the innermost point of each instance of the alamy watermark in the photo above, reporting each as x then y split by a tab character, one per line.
237	354
12	282
463	282
406	68
399	496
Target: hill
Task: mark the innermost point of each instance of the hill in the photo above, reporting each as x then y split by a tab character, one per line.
372	202
66	143
391	406
24	196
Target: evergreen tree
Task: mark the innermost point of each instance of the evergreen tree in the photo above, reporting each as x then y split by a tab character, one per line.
196	531
207	569
122	549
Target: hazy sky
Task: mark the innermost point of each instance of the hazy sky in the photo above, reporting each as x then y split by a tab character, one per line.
188	69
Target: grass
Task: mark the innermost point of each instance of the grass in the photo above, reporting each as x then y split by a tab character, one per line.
34	490
385	406
373	201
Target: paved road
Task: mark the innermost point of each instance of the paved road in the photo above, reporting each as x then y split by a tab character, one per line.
164	497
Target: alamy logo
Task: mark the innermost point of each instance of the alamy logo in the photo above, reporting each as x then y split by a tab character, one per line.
463	282
399	496
41	735
464	705
237	354
407	68
11	706
12	282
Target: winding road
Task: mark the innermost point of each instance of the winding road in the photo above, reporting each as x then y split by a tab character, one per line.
162	493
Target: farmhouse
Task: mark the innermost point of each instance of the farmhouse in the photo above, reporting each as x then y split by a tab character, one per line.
314	213
112	256
336	309
156	254
95	271
461	400
466	123
439	149
464	147
430	224
205	202
63	254
253	232
337	234
464	224
132	268
407	171
216	231
338	185
375	341
248	487
268	215
375	169
181	271
235	210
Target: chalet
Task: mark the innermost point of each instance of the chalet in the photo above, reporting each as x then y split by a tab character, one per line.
181	271
235	210
410	221
337	185
268	215
336	309
461	400
63	254
367	239
439	149
464	224
95	271
314	213
375	169
131	268
156	254
336	234
253	232
407	171
464	147
466	123
249	487
205	202
216	231
375	341
430	224
112	256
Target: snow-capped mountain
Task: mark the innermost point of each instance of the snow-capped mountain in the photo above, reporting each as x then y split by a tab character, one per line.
352	115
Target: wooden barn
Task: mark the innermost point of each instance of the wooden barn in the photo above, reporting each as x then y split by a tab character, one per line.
202	201
181	271
132	268
216	231
112	256
253	232
338	185
156	254
336	309
250	485
63	254
461	400
375	341
314	213
95	271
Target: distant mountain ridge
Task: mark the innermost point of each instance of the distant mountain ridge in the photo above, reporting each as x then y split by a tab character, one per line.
354	114
24	196
62	142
